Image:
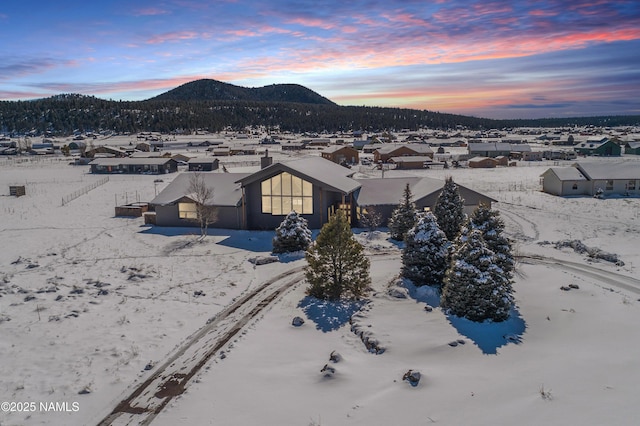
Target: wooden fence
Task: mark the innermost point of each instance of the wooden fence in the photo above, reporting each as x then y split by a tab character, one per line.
68	198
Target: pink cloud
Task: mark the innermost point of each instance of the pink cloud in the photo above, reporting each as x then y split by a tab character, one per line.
312	22
151	11
173	37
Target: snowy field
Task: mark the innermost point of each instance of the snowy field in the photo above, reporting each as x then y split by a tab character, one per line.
91	305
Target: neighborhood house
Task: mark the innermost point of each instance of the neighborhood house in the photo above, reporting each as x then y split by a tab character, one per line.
622	178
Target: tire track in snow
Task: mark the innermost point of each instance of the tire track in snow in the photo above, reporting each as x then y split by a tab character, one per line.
169	380
620	281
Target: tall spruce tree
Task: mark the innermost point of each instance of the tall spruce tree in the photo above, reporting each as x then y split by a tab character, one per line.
425	254
336	265
403	217
449	209
292	234
474	285
491	225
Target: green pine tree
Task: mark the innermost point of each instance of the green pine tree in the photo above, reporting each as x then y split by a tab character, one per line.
449	209
425	254
336	265
292	235
403	217
492	226
474	285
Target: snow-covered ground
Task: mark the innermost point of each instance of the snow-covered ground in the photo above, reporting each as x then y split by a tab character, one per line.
89	301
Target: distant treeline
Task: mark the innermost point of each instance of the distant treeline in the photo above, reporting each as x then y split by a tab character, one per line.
66	114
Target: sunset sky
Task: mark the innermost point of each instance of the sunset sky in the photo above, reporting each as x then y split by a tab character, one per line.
496	59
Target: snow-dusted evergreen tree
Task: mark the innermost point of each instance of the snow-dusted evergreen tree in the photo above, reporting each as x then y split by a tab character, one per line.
474	285
336	265
492	226
425	254
449	209
292	234
403	217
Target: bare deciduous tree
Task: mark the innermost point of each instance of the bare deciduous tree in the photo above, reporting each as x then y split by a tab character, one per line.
202	196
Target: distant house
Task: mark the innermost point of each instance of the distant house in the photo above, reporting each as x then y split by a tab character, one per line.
482	163
632	148
292	146
387	151
134	165
411	162
341	154
564	181
621	178
532	156
203	164
112	151
314	187
602	147
488	149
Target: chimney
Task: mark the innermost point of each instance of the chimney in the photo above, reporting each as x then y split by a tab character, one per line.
265	161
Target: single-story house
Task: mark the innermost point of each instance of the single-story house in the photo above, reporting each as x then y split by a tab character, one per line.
134	165
532	156
488	149
587	178
109	150
387	151
341	154
203	164
564	181
385	194
292	146
603	147
411	161
632	148
314	187
482	163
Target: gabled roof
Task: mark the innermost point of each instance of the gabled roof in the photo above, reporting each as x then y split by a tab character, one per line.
566	173
633	145
202	160
388	191
592	144
334	148
610	171
488	146
226	190
411	159
151	161
389	148
317	170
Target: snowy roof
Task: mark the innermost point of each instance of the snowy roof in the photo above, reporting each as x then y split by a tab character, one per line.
389	191
418	148
320	171
128	161
411	159
226	190
566	173
489	146
335	148
202	160
605	171
383	191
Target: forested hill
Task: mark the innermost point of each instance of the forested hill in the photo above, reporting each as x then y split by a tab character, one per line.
190	107
213	90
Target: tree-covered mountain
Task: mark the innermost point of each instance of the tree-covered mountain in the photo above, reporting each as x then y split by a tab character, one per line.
213	90
283	107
